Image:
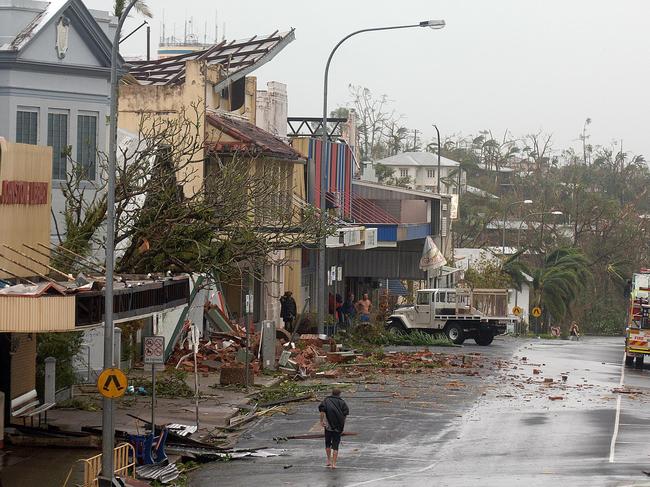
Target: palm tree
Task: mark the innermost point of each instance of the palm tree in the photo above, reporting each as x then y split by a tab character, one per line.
140	6
563	275
516	269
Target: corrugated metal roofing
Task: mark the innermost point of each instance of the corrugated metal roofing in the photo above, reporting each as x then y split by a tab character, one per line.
249	137
234	56
366	211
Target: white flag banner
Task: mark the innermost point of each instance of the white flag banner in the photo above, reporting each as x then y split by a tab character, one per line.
432	258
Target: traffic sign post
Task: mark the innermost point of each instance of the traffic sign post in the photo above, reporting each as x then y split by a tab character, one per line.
154	354
537	312
112	383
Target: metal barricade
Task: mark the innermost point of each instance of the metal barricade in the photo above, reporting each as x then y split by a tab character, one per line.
123	464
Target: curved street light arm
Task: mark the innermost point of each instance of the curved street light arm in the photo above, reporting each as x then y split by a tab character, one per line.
321	286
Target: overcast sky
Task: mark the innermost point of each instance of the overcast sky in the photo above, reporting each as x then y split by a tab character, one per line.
520	65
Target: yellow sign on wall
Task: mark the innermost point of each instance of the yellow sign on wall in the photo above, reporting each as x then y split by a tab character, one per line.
112	383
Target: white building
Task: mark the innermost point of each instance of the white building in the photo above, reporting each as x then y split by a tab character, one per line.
422	168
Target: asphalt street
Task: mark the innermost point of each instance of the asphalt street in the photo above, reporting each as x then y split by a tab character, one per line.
540	413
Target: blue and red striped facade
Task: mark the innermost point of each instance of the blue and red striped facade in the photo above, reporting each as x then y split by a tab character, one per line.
338	169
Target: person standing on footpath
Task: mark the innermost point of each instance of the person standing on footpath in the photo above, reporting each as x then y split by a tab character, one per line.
333	411
288	310
364	308
348	310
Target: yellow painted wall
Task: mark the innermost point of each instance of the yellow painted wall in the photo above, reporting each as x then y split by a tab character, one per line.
293	275
156	102
19	223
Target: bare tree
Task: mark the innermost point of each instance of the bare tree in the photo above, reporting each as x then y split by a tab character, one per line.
241	213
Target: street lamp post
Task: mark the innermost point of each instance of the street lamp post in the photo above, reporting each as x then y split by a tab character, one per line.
438	178
505	210
322	278
107	477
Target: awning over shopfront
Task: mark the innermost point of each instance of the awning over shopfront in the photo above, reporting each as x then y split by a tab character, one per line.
53	307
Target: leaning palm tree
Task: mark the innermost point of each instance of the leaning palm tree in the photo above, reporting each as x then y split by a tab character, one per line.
564	274
140	6
516	269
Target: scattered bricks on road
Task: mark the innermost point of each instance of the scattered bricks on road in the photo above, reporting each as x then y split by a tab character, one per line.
556	398
537	371
548	380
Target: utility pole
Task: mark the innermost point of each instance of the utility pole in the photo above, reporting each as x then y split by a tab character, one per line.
107	478
438	178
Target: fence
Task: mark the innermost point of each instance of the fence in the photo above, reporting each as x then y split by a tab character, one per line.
123	464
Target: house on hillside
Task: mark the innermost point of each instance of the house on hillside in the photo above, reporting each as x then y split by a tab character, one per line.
422	169
54	85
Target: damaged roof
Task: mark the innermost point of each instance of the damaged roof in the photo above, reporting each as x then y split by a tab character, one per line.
78	13
248	138
238	58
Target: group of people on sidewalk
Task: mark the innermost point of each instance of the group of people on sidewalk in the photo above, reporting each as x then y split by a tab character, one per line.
344	311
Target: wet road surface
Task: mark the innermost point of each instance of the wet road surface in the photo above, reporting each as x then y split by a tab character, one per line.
513	426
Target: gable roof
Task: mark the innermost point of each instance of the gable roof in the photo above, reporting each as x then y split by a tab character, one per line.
238	57
249	138
86	24
416	159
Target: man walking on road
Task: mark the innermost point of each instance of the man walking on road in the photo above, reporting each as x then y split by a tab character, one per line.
333	411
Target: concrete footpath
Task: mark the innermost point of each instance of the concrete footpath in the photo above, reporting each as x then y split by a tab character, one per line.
45	467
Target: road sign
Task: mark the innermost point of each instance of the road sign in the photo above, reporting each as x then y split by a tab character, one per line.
517	311
536	312
154	350
112	383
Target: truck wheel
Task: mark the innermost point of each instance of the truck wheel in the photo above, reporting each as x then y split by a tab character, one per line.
396	327
639	362
484	339
629	360
455	333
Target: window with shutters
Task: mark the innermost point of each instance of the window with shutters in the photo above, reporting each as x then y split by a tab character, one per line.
87	144
27	126
57	138
403	173
431	173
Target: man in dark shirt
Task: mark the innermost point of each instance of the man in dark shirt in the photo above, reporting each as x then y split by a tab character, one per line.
333	411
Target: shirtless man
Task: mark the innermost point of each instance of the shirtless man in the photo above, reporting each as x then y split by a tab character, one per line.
364	308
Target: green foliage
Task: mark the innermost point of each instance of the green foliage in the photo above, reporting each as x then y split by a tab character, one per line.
289	389
171	384
558	283
383	173
413	338
487	274
63	347
604	320
83	403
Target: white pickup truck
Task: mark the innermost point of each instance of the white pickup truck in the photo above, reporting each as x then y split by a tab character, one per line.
480	314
